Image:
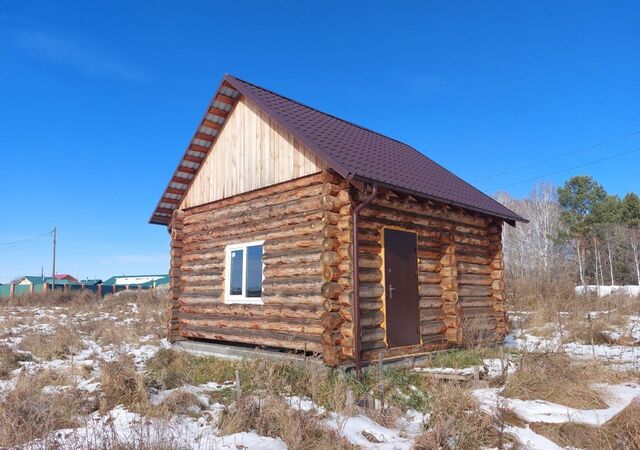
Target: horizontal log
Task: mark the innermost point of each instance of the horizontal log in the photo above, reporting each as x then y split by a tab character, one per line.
474	291
431	302
429	345
470	312
371	318
432	328
479	323
366	262
423	209
254	311
257	337
370	275
368	334
472	279
292	212
216	322
477	269
473	259
429	278
370	304
429	314
469	301
276	271
371	290
429	290
292	258
271	194
429	265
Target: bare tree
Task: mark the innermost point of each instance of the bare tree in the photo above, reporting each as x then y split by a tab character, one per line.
607	240
633	239
533	246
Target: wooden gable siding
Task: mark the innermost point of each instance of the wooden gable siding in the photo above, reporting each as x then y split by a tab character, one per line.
289	218
252	152
459	275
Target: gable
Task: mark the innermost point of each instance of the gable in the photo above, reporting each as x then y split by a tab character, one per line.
251	152
275	139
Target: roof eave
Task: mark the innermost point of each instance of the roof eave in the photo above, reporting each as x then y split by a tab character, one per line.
168	219
511	219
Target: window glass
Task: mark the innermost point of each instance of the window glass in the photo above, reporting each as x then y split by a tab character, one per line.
254	271
235	282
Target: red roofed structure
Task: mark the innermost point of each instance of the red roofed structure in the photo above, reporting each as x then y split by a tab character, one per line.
294	229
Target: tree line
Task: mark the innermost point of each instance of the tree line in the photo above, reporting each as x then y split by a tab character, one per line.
577	227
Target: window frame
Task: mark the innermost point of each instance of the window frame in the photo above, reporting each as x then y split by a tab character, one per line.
242	298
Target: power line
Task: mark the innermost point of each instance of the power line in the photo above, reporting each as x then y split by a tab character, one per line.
555	158
20	241
617	155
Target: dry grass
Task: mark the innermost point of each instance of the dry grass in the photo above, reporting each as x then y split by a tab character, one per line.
122	384
621	432
553	306
271	416
169	369
180	402
27	412
10	360
59	344
456	422
555	378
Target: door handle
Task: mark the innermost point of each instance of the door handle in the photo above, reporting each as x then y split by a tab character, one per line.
391	289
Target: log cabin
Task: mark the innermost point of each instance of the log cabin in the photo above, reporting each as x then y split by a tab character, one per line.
293	229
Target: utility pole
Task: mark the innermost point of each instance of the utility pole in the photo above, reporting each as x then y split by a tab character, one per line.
53	270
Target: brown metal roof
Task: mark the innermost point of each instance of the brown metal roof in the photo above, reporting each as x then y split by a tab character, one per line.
355	151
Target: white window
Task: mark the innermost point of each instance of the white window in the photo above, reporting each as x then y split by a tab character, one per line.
244	273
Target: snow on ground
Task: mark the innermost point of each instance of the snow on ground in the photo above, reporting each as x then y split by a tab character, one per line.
617	398
362	431
200	431
530	439
602	291
123	427
365	433
624	356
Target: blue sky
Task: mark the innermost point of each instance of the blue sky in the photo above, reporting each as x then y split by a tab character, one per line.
99	99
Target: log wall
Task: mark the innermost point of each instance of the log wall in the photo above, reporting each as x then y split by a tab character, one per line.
460	275
289	217
306	225
175	229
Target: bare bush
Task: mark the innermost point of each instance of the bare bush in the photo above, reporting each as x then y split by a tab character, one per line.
121	384
271	416
554	377
59	344
29	412
456	422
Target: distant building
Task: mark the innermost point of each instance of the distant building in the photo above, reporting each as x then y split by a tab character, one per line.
28	280
35	284
137	281
66	276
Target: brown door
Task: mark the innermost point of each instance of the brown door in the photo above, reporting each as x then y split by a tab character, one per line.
401	288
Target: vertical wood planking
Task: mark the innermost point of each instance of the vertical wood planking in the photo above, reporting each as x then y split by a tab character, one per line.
252	152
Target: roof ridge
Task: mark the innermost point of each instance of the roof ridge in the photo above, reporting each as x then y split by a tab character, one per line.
362	127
